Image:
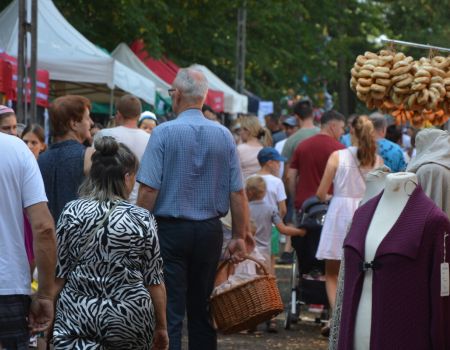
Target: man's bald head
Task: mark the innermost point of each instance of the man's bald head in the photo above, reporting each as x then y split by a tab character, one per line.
192	84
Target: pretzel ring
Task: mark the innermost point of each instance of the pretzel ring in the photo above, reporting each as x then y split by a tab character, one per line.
402	90
382	75
365	81
364	73
385	59
440	62
397	99
361	59
399	57
382	69
363	89
405	82
370	55
437	79
412	100
401	77
422	80
401	70
423	97
384	82
418	87
438	72
423	73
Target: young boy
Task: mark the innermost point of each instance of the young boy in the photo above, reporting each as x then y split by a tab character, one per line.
264	215
270	160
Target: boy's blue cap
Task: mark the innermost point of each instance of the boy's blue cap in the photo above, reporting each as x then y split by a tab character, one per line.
269	153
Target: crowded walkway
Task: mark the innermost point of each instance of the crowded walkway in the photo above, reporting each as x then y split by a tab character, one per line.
151	206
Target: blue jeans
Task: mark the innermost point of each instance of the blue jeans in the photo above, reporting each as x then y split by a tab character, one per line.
191	251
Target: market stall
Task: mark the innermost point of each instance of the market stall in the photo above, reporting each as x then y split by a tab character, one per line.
74	63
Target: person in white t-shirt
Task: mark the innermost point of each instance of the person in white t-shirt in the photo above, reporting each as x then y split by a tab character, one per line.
22	188
290	127
129	110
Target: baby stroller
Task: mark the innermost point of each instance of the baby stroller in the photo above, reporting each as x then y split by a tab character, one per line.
307	274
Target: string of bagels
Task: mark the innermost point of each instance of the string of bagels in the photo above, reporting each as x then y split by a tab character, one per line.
414	91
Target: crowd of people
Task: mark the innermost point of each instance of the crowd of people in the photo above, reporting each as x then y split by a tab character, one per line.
123	228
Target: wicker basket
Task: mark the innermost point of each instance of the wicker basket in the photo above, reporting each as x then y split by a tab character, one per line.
248	304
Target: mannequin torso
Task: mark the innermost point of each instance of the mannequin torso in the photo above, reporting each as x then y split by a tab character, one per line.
398	188
375	181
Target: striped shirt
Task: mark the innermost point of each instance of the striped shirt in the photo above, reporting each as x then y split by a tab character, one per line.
194	165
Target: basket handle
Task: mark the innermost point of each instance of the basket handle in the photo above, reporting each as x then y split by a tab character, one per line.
227	262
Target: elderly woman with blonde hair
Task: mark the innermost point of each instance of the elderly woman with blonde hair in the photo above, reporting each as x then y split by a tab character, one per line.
254	137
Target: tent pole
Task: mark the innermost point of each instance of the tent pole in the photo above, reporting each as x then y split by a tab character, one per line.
33	63
111	103
21	62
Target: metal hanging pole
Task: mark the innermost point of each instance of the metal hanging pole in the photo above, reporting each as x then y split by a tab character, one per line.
21	61
419	46
33	63
240	47
27	110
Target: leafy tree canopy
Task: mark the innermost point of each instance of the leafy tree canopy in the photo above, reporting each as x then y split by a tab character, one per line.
290	44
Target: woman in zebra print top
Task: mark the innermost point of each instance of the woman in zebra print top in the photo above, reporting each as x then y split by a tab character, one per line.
110	278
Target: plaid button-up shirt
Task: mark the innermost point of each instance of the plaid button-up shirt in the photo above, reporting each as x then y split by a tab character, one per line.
193	163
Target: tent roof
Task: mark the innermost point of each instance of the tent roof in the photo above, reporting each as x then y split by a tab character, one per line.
162	68
68	55
125	55
234	102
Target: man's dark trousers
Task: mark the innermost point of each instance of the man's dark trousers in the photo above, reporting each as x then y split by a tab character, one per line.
191	251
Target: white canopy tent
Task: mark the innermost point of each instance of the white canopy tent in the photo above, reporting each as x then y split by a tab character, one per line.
70	57
125	55
234	102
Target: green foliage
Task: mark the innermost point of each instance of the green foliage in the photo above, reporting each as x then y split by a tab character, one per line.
286	40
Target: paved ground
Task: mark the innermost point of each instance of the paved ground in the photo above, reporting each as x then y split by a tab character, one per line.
304	335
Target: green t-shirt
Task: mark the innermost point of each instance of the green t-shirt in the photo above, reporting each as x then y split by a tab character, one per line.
293	141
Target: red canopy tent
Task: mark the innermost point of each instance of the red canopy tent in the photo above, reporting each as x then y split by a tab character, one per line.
167	71
8	81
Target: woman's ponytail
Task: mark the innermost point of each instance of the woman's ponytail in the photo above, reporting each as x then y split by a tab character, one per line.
364	133
265	137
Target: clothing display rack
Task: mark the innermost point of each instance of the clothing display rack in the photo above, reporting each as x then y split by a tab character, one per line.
420	46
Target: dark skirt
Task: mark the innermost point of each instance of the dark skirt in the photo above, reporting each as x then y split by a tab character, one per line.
14	332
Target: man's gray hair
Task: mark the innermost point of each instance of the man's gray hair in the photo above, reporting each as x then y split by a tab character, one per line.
378	120
192	83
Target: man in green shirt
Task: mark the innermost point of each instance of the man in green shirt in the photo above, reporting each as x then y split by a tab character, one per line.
304	112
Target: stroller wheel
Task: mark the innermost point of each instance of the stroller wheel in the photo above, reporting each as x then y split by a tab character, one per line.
289	319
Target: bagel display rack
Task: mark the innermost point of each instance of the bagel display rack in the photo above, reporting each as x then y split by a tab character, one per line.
414	91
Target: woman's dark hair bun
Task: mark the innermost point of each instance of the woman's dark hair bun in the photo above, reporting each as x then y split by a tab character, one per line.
107	146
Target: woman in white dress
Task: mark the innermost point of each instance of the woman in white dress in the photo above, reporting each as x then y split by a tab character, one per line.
345	170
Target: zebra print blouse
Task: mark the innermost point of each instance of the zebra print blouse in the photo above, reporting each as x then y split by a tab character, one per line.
122	257
105	303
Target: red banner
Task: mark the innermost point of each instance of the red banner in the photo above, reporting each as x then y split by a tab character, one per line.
215	100
5	77
42	83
